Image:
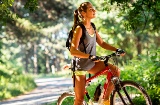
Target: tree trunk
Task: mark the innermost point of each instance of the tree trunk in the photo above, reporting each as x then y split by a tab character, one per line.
139	45
47	61
47	64
35	59
26	61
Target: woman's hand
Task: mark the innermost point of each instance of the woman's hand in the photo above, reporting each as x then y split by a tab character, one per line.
94	58
65	67
121	52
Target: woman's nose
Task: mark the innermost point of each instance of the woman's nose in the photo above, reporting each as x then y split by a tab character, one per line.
94	10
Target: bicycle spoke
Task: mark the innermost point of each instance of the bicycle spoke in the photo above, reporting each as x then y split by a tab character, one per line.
121	97
128	97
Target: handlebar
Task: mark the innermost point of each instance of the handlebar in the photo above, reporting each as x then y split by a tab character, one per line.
106	58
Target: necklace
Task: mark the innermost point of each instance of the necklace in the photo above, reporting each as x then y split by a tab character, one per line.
89	28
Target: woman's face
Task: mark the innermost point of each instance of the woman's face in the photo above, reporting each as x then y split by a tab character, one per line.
91	12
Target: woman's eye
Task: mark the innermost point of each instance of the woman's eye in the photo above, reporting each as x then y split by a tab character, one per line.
92	9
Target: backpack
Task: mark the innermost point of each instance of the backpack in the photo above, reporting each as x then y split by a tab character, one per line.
70	36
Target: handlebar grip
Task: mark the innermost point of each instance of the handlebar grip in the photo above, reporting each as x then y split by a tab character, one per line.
120	51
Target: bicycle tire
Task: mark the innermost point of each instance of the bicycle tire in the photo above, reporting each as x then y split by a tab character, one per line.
139	96
67	98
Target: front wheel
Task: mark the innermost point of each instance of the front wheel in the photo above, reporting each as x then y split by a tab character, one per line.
130	93
67	98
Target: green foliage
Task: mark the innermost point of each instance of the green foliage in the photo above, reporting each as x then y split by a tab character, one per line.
139	11
146	72
4	10
1	61
15	85
139	100
155	95
41	32
5	74
12	81
31	5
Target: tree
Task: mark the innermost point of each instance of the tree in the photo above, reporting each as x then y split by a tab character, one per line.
5	6
30	28
130	24
140	16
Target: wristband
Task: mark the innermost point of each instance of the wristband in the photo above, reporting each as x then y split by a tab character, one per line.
93	58
120	51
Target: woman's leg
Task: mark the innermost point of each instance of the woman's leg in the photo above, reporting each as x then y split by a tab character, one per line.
100	66
80	81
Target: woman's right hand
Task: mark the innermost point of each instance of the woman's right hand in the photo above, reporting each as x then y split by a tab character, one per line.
67	66
94	58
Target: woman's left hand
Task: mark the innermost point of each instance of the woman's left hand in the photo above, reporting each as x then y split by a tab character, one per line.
121	52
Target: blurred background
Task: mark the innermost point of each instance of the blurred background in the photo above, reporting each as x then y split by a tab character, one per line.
33	35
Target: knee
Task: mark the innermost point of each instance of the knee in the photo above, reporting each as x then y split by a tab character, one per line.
118	72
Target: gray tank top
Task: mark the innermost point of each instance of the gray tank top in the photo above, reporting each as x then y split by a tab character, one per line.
90	46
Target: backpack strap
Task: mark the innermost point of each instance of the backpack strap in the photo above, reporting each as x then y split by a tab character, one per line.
84	33
93	26
83	36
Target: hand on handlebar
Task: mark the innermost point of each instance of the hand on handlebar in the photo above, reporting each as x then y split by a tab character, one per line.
106	58
65	67
94	58
120	52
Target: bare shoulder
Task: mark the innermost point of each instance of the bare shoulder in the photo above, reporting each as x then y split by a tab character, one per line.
78	28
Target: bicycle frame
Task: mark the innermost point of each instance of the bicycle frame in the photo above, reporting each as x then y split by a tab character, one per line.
106	84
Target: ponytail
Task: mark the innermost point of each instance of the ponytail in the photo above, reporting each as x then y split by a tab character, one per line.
76	19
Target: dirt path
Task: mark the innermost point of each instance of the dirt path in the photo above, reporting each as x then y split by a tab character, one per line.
48	90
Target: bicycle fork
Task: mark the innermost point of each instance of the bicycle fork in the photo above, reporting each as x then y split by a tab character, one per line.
117	83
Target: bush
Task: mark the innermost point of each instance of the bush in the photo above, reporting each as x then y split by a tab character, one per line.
146	72
155	95
14	83
15	86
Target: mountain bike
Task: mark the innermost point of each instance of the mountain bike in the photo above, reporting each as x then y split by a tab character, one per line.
124	93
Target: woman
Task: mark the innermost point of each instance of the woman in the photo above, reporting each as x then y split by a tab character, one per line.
86	61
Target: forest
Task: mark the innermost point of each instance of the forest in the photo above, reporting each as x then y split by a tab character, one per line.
33	34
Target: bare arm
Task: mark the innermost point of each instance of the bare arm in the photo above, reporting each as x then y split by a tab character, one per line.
104	44
75	43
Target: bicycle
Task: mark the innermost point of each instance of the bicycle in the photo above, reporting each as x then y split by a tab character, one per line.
124	93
